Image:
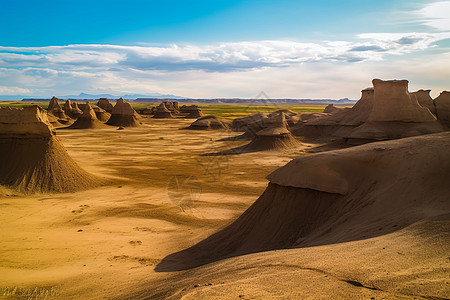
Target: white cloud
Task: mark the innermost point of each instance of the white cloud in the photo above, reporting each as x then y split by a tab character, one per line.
282	68
13	90
436	15
223	57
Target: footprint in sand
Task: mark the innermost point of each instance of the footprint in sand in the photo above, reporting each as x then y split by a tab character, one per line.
81	209
135	243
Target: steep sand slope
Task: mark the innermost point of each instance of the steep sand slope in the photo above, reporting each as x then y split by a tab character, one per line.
32	159
411	263
335	197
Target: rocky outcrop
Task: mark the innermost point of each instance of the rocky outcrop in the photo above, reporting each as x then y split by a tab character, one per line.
88	120
395	114
102	115
32	158
210	122
72	110
55	109
442	103
104	103
274	136
193	112
162	112
123	115
393	103
386	111
425	100
330	109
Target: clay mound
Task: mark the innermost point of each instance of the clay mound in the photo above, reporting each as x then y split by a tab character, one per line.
291	117
393	102
55	109
210	122
309	116
88	120
33	160
123	115
336	197
388	111
338	123
395	114
274	137
193	112
243	124
330	109
442	103
162	112
72	110
104	103
54	104
425	100
172	106
102	115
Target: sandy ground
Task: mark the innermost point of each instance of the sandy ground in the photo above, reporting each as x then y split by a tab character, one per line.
105	243
92	244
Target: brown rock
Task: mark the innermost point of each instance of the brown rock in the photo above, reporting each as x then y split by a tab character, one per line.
123	115
393	102
210	122
105	104
162	112
88	120
442	103
425	100
32	159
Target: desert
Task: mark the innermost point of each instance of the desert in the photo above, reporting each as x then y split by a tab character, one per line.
238	149
227	207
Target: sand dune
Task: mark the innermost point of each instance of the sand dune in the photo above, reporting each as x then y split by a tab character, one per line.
336	197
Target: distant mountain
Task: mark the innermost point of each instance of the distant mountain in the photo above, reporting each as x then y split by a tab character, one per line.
86	96
12	97
109	96
254	101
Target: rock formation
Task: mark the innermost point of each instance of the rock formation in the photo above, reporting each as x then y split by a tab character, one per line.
88	120
274	135
172	106
104	103
331	109
123	115
393	103
55	109
395	114
193	112
335	197
442	103
386	111
72	110
210	122
102	115
162	112
32	159
317	125
425	100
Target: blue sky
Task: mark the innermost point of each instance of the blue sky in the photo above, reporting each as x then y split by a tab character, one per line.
301	49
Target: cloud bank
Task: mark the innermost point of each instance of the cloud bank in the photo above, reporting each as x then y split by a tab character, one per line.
223	57
232	69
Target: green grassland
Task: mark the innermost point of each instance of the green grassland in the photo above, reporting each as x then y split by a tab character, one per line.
219	110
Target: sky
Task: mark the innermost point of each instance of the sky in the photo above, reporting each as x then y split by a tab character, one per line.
222	48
